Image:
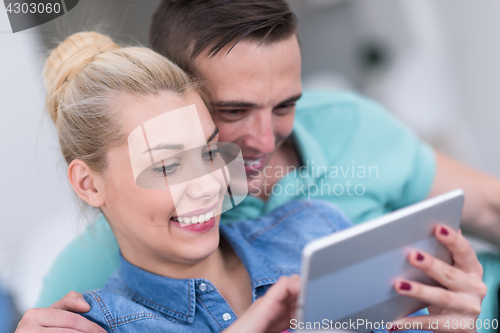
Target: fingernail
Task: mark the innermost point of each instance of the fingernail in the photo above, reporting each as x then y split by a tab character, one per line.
391	328
420	257
444	232
405	286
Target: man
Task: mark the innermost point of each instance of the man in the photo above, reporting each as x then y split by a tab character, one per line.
333	146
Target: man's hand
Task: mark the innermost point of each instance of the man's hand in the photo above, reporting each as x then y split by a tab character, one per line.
272	312
59	317
481	213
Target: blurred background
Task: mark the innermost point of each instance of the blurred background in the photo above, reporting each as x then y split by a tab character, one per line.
434	64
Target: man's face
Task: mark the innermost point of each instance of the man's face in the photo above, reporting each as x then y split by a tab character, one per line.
255	88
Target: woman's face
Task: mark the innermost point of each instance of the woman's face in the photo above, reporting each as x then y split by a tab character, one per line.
144	208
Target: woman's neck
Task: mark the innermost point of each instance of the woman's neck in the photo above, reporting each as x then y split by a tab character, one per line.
176	269
223	268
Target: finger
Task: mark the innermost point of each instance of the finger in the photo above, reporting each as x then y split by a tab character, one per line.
463	255
293	286
285	288
448	276
58	319
433	323
73	302
462	302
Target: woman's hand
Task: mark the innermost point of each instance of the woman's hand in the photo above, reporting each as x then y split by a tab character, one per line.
455	307
59	317
272	312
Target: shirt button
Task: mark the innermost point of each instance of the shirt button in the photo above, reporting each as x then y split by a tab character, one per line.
226	316
203	287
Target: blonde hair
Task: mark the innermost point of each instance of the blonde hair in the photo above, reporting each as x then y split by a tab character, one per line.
84	75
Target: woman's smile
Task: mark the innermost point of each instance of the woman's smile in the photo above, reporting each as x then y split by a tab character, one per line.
199	227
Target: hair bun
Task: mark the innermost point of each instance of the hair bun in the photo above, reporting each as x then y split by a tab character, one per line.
68	59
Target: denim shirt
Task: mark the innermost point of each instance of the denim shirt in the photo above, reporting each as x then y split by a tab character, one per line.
134	300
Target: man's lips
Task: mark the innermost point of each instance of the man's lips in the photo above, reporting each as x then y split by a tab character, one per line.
254	164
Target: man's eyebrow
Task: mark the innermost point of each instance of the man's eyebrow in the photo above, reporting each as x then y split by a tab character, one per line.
214	134
164	146
248	105
292	99
235	104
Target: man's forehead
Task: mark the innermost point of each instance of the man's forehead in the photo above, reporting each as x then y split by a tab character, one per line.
248	52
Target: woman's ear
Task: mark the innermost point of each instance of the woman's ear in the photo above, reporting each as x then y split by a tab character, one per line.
85	183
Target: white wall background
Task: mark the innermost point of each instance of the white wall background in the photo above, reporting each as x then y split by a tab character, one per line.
442	71
38	212
442	77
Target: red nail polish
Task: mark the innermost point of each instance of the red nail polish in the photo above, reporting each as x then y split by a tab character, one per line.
420	257
444	232
405	286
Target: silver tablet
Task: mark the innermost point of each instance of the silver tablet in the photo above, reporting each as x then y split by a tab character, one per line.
348	276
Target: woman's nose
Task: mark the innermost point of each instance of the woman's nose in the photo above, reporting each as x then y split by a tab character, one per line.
206	186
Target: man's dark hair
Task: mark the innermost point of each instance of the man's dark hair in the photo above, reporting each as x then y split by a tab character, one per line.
182	29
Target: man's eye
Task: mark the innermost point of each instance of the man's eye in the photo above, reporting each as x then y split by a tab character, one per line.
231	112
284	109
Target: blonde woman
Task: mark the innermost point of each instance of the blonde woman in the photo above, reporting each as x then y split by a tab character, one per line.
179	270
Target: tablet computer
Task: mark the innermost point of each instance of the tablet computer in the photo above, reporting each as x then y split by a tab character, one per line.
348	276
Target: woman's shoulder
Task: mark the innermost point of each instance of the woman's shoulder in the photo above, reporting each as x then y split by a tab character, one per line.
111	310
300	219
278	238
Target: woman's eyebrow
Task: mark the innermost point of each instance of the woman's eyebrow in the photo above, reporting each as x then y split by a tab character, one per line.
177	146
165	146
214	134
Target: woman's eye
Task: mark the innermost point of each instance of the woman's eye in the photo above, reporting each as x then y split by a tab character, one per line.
167	170
211	154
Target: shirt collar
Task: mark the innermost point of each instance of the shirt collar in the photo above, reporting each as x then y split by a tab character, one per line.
172	297
177	297
260	273
311	154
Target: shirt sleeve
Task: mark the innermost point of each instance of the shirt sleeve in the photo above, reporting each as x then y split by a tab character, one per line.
96	313
406	164
85	264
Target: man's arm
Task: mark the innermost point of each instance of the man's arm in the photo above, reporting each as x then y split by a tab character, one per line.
481	213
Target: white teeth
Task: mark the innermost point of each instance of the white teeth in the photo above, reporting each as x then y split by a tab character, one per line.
185	221
250	162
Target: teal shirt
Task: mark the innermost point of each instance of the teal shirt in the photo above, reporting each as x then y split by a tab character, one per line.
353	154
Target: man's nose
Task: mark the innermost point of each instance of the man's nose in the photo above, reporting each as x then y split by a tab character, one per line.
261	134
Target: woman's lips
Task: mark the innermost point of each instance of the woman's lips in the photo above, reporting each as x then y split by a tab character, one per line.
200	211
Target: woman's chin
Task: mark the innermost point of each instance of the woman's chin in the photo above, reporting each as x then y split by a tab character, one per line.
197	241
